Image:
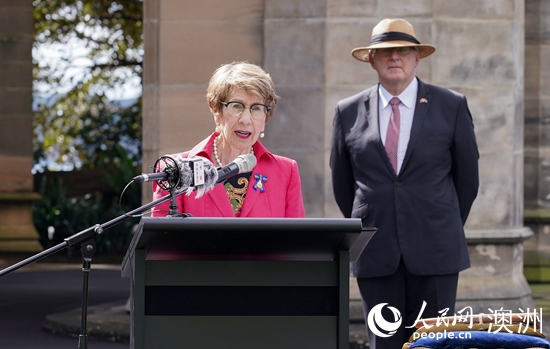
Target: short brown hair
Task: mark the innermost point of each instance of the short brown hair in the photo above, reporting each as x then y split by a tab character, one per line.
241	75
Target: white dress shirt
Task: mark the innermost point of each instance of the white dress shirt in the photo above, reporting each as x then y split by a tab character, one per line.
406	110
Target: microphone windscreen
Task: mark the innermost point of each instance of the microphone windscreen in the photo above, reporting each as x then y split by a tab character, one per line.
186	180
246	162
210	178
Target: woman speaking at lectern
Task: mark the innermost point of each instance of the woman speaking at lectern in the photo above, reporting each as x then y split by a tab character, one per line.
241	97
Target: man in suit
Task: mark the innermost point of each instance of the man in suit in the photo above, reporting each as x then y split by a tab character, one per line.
404	159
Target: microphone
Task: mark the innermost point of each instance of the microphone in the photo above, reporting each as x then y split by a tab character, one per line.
213	176
242	164
168	172
176	173
150	177
195	174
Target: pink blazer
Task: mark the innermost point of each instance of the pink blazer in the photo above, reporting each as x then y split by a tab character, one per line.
282	195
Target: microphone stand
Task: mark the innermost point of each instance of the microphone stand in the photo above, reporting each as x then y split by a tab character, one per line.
87	247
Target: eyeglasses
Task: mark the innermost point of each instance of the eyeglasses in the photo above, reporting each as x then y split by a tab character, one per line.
401	51
257	110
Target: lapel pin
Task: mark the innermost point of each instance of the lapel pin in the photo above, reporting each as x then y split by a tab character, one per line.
423	100
260	179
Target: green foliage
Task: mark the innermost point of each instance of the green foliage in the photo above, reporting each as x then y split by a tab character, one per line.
58	215
84	51
110	135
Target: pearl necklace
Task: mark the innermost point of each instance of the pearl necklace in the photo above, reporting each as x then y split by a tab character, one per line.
215	146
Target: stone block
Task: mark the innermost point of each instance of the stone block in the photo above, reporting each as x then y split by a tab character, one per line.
532	105
331	209
16	101
544	21
497	59
190	51
544	182
151	54
211	10
295	9
183	109
532	20
15	173
496	260
543	70
537	249
16	75
150	110
544	110
13	48
16	135
486	10
492	111
295	51
408	10
495	280
298	121
17	22
17	233
352	8
496	199
16	4
151	10
532	71
343	35
530	188
544	137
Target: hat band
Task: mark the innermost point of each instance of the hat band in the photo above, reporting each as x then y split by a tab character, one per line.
393	36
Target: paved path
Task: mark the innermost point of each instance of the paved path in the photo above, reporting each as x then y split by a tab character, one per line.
29	295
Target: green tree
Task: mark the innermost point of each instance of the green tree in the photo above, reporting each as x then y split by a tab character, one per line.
84	51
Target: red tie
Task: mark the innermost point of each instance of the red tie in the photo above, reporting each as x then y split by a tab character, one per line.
392	137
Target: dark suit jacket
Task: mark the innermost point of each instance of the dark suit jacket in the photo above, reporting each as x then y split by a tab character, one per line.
420	213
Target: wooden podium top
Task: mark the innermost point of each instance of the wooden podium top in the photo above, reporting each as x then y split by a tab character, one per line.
276	239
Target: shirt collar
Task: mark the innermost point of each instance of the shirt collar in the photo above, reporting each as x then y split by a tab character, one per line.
407	97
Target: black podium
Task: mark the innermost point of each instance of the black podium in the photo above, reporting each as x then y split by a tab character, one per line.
257	283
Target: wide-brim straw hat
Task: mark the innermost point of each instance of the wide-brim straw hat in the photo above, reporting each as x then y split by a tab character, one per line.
388	33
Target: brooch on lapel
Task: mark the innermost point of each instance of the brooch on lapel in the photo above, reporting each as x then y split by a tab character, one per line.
259	185
423	100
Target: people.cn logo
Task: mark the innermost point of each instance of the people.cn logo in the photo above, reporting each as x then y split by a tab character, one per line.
379	325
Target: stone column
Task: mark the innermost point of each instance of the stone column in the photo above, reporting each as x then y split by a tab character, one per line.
295	48
537	143
481	54
17	233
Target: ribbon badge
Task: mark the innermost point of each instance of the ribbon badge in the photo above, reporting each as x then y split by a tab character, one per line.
260	179
423	100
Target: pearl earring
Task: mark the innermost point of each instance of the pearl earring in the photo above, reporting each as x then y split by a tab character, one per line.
262	134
